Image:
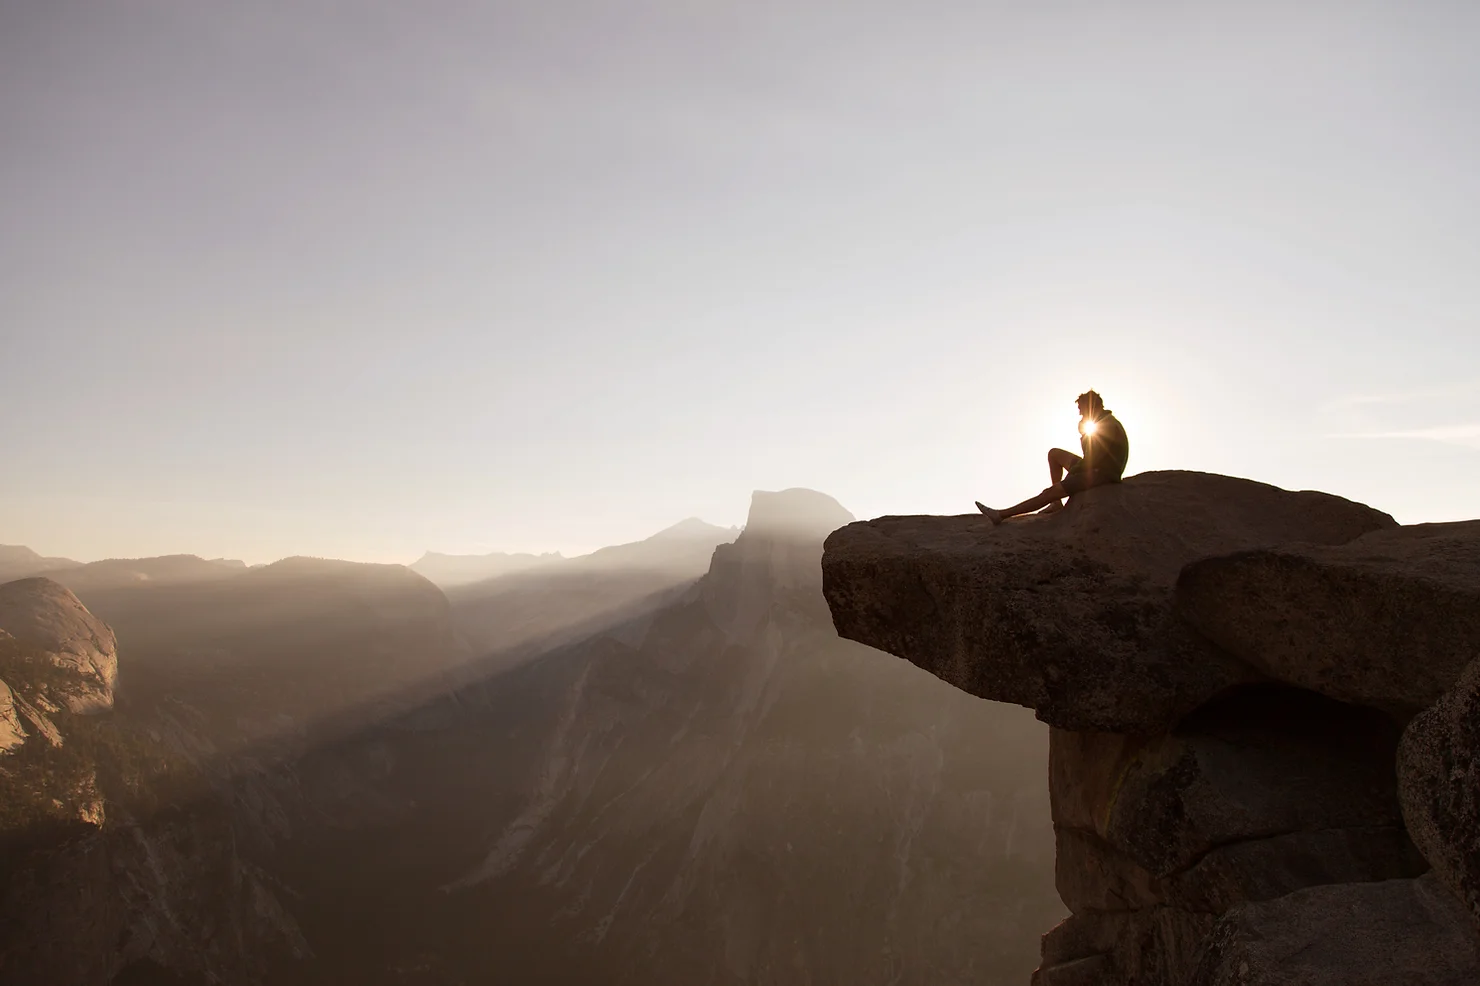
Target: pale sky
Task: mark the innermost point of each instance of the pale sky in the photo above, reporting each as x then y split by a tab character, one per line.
360	279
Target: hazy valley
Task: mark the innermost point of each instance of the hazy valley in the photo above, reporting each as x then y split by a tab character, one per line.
654	764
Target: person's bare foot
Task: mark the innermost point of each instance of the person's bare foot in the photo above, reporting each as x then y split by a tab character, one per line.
1052	508
995	516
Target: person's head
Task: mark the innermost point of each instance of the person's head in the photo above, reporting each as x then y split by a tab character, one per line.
1090	405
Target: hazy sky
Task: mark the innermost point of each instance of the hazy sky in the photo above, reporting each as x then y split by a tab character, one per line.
364	278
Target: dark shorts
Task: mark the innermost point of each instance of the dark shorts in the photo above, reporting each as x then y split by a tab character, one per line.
1081	479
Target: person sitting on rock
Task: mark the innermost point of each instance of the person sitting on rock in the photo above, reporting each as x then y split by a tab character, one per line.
1106	449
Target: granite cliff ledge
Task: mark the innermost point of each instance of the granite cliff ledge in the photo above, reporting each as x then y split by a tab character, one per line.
1071	614
1228	668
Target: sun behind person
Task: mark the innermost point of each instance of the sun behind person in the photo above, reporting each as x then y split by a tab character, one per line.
1106	449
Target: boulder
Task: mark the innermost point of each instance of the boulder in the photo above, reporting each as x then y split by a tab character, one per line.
46	616
1408	932
1070	614
1388	619
1439	787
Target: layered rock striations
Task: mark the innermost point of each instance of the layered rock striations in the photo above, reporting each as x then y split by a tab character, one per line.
1228	668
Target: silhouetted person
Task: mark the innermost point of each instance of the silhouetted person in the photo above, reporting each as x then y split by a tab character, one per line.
1106	449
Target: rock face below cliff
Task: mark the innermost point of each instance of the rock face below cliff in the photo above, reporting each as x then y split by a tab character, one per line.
1228	667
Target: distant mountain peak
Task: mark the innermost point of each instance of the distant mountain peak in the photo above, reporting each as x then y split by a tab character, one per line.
18	561
693	527
795	512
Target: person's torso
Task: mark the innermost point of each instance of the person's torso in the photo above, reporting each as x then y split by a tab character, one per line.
1108	448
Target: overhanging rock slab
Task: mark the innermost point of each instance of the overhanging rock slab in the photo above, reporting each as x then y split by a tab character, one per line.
1071	614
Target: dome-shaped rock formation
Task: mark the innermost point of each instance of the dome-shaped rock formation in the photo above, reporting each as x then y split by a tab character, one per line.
47	616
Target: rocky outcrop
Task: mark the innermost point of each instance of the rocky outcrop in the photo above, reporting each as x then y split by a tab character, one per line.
1388	619
1228	667
1074	609
57	666
1439	778
46	616
57	662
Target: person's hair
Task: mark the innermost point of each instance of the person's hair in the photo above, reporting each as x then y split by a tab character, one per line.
1092	399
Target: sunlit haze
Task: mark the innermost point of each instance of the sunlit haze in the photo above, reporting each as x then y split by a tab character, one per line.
365	279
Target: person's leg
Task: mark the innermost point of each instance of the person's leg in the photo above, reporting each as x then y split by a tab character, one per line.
1060	463
1075	482
1053	494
